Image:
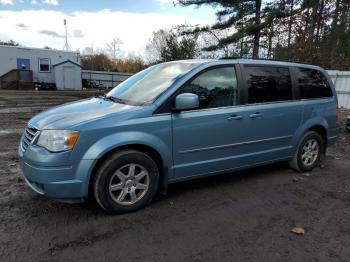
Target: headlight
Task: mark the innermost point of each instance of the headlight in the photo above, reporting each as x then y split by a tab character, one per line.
57	140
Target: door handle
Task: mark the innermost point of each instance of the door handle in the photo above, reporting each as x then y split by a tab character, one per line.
256	115
235	117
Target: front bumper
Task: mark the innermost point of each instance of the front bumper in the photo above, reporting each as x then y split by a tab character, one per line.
66	183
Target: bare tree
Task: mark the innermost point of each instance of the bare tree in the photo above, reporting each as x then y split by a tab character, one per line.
155	45
169	45
89	50
113	48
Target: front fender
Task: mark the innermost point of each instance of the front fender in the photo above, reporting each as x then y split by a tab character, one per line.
110	142
116	140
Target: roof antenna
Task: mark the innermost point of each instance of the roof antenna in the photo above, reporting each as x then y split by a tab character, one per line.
66	46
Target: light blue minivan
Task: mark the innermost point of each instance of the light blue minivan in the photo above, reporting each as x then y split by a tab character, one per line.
177	121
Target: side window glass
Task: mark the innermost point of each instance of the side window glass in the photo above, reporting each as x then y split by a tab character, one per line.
313	84
268	84
215	88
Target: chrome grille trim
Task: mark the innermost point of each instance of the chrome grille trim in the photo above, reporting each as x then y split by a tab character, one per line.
27	137
22	147
29	130
26	142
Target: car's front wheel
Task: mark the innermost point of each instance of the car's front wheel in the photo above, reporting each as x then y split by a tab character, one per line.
126	181
309	152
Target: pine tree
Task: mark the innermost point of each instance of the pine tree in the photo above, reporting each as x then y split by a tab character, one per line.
334	47
246	18
320	34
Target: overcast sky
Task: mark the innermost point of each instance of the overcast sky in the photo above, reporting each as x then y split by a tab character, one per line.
39	23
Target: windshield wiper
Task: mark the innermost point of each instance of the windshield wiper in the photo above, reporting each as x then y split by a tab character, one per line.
114	99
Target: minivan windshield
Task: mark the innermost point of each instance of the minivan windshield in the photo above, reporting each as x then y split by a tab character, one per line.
145	86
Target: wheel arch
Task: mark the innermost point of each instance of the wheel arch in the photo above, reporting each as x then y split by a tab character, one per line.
148	150
317	124
158	147
321	130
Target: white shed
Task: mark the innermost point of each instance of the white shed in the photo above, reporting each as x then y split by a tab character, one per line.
67	75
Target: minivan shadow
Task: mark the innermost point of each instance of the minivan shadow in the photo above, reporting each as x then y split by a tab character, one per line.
224	178
205	183
174	190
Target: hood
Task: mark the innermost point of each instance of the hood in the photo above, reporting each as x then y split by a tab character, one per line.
74	113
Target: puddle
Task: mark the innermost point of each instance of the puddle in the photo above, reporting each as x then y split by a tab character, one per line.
22	109
4	132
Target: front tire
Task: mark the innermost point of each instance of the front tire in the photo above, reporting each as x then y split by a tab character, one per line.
126	181
309	152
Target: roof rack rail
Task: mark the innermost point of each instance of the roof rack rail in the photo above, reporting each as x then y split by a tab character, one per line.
266	59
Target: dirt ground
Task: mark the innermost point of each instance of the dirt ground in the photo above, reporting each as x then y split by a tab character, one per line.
244	216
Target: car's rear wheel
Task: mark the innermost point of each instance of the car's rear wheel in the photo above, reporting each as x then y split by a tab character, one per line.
126	181
309	152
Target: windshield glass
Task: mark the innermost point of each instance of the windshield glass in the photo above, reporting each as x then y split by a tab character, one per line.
148	84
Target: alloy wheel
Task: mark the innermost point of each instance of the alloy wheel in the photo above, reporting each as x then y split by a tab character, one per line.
129	184
310	152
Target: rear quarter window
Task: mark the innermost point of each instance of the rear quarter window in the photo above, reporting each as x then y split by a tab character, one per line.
313	84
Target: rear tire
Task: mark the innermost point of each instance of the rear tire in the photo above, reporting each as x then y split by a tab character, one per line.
126	181
309	152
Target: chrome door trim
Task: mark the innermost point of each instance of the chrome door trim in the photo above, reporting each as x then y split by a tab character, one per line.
332	137
232	145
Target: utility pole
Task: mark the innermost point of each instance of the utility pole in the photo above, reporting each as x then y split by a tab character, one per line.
66	46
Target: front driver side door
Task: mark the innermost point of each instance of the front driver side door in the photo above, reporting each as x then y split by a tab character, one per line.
203	138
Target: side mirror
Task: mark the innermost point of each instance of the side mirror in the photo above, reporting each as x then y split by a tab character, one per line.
186	101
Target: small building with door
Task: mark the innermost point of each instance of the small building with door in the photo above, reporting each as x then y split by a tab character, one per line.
37	65
67	75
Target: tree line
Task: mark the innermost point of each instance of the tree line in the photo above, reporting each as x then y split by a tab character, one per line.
308	31
101	61
165	45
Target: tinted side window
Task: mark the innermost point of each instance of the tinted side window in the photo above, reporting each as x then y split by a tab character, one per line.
215	88
268	84
313	84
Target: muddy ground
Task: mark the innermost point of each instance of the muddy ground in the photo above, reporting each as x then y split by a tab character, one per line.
243	216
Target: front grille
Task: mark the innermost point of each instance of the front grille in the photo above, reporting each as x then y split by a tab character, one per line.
27	137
